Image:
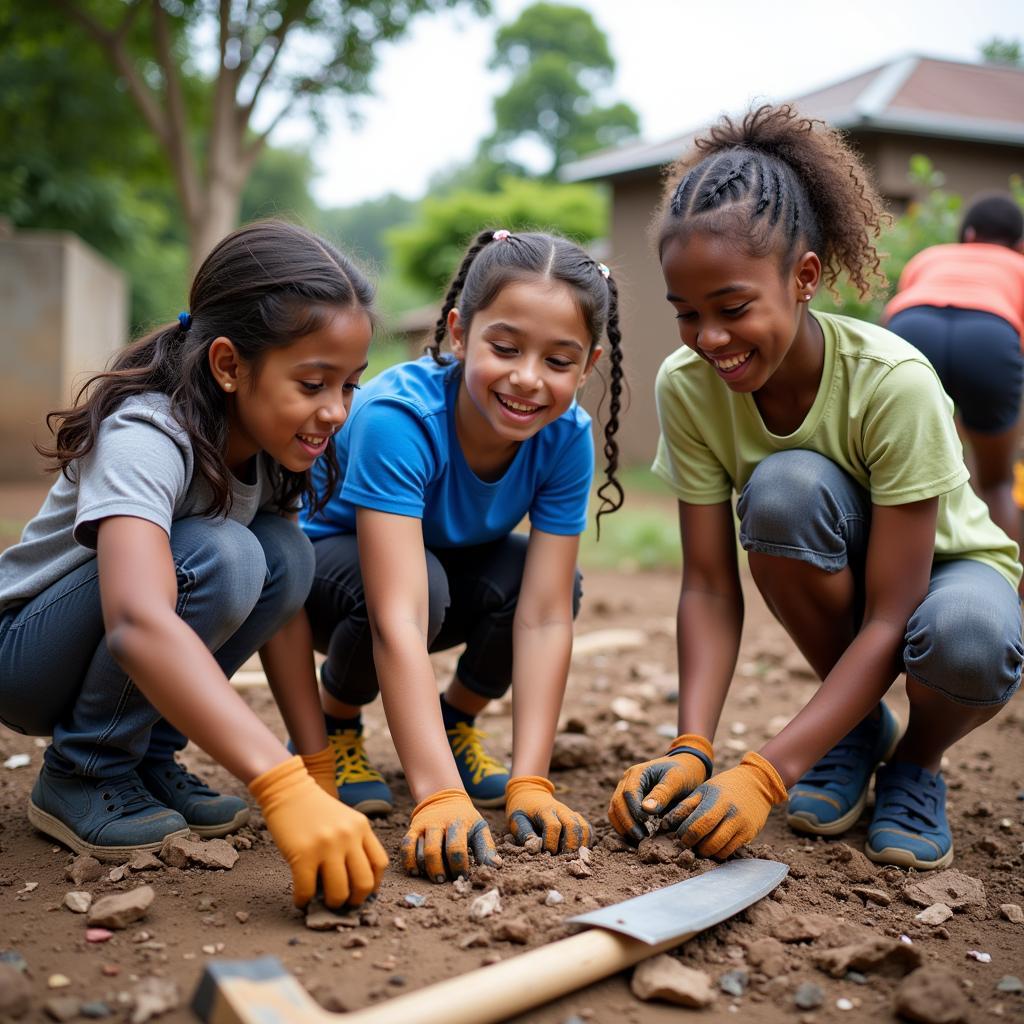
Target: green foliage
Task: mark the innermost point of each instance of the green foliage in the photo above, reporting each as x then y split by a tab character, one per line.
1003	51
636	537
279	187
428	251
558	58
360	230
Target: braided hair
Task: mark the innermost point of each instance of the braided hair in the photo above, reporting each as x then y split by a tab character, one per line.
490	265
783	183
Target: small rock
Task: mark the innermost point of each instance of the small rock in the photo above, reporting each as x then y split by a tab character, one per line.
78	902
628	710
145	861
1012	912
399	923
120	909
83	869
808	996
930	995
486	905
95	1009
18	761
98	934
514	930
117	874
951	887
802	927
982	958
842	1003
62	1008
15	992
657	850
768	956
585	855
665	978
58	981
1011	984
153	997
574	750
320	919
734	982
879	896
414	899
877	955
533	845
354	941
241	916
553	898
473	940
935	914
852	863
213	854
579	870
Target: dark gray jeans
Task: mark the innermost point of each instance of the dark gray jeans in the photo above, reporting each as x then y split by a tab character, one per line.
473	593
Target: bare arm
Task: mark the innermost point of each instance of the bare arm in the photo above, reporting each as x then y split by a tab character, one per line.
709	621
542	647
165	658
900	552
393	564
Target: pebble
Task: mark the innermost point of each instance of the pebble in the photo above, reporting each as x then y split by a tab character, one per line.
58	981
664	978
553	898
95	1009
62	1008
533	845
514	930
152	997
98	934
951	887
241	916
937	913
1012	912
28	887
802	927
879	896
120	909
842	1003
574	750
1011	984
930	995
110	970
808	996
78	902
982	958
876	955
579	870
15	992
414	899
486	905
734	983
214	854
18	761
768	956
586	856
628	710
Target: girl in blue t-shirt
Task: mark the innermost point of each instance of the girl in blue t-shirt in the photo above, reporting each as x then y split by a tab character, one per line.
167	553
416	552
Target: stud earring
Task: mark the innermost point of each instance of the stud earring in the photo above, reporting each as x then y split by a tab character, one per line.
807	297
228	386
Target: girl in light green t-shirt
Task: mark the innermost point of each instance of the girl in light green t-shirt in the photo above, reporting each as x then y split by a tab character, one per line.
863	534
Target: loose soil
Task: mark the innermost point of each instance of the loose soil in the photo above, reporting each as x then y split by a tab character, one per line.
246	911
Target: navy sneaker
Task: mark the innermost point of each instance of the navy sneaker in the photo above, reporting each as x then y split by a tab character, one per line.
483	776
359	784
109	819
909	826
208	813
829	798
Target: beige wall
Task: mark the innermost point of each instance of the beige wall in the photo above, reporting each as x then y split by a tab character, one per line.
63	313
648	329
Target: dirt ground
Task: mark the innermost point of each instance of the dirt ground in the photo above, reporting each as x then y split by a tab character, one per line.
832	898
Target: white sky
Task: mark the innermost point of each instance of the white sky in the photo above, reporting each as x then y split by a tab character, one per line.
680	62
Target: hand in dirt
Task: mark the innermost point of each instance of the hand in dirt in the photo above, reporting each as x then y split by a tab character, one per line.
533	811
729	809
654	787
444	828
322	768
319	835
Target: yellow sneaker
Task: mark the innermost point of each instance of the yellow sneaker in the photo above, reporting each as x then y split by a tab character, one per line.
359	784
484	777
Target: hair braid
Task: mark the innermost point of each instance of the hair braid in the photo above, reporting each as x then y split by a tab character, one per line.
610	492
452	297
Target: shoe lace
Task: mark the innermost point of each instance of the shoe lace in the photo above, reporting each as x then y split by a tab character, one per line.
839	766
907	797
181	778
350	761
467	742
126	793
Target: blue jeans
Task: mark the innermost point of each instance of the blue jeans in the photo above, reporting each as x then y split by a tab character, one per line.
237	586
472	592
963	640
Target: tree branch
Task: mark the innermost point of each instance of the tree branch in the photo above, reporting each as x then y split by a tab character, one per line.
288	20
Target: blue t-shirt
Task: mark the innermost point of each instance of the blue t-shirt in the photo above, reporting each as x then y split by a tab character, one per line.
399	453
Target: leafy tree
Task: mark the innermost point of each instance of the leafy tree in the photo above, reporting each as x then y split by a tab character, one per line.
361	229
559	59
1003	51
273	59
279	187
427	252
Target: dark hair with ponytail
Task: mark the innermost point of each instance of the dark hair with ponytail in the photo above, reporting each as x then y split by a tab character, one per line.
489	265
264	286
779	182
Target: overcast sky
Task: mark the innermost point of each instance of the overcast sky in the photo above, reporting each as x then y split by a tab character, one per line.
680	62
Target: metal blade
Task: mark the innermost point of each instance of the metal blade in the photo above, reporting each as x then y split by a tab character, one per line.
689	906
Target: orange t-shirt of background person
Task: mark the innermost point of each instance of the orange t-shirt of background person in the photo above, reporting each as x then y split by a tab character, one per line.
967	275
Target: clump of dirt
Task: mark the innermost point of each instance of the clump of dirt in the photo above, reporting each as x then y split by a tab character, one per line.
839	934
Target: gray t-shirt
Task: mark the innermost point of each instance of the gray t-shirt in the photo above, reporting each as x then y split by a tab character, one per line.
141	465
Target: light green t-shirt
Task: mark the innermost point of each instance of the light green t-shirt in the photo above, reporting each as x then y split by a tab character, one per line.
880	414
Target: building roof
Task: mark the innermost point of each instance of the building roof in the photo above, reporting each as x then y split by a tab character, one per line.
911	95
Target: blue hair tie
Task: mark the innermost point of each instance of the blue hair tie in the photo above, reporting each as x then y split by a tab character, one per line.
185	320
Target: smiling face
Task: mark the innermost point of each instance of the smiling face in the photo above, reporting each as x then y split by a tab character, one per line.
741	313
297	396
525	356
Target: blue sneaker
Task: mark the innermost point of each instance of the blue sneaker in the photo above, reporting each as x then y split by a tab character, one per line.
829	798
109	819
359	784
483	776
208	813
909	826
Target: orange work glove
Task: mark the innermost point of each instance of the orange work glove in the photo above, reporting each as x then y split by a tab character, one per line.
729	809
533	811
444	828
321	766
654	787
318	834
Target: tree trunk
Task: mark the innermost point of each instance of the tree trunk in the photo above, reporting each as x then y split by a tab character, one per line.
221	204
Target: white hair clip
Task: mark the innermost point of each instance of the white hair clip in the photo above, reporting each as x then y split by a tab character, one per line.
501	234
605	272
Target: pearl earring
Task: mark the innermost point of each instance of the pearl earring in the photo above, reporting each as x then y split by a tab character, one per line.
228	386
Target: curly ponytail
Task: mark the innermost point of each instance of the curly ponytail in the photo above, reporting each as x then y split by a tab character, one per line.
789	184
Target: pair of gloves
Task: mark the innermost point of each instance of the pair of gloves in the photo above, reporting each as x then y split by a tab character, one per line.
446	826
715	814
317	834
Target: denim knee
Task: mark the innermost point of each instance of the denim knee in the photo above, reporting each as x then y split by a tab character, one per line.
290	562
799	504
964	639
